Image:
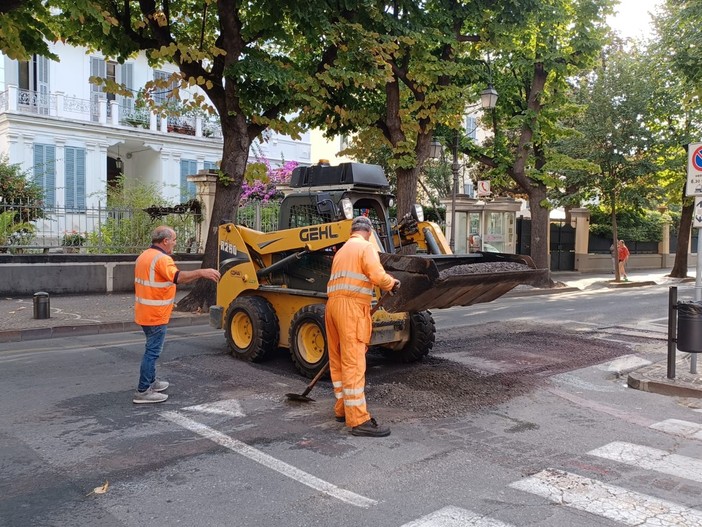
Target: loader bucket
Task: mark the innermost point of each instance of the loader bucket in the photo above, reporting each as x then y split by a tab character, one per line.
442	281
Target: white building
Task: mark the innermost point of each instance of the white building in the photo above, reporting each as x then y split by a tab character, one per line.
75	139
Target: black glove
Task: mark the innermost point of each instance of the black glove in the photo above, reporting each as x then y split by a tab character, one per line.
396	286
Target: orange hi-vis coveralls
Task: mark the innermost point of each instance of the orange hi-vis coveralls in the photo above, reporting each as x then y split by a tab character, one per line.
155	279
355	269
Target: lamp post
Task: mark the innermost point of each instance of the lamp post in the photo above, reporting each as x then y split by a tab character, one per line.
488	100
454	190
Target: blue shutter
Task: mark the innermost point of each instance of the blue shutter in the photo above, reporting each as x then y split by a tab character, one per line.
75	178
80	179
188	167
210	165
70	177
45	171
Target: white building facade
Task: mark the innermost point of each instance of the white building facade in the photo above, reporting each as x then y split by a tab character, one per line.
75	140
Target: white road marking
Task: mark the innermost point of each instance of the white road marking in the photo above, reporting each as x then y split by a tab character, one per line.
227	407
678	427
269	461
624	363
607	501
651	459
455	517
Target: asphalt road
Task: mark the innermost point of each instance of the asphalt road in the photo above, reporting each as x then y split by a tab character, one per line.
521	417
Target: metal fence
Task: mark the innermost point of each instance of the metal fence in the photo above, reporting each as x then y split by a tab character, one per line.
259	215
31	229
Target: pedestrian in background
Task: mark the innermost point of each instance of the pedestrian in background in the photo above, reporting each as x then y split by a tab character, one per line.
623	257
155	280
356	268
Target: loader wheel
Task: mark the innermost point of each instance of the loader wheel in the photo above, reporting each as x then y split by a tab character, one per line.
252	328
308	340
422	336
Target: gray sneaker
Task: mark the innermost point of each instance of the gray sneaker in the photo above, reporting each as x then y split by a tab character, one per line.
149	396
159	386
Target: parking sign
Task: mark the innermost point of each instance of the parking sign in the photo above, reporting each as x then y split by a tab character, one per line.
694	170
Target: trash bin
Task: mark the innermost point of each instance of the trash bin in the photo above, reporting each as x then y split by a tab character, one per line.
690	327
41	305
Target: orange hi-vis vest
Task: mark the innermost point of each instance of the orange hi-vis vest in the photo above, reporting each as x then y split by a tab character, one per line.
355	269
155	279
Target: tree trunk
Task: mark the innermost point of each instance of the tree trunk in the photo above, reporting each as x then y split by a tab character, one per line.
406	189
236	145
682	248
539	230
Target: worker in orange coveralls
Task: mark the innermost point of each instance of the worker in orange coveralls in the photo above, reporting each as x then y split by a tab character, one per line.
355	269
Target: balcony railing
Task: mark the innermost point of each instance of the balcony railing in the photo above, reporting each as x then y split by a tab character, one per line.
100	110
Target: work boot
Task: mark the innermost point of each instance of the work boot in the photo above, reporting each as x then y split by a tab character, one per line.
149	396
159	386
370	429
340	418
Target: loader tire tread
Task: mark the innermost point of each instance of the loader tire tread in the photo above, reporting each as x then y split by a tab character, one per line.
422	337
256	331
307	328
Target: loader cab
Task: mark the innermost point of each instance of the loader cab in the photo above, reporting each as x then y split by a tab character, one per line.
320	189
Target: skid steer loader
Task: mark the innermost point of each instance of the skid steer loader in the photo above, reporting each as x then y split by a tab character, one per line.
272	292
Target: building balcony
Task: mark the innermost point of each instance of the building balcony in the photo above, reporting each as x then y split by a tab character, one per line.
105	112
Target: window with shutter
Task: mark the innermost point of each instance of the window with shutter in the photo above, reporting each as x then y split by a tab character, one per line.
75	178
188	167
98	68
45	171
471	127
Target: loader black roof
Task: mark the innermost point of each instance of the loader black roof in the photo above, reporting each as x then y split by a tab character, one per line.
356	174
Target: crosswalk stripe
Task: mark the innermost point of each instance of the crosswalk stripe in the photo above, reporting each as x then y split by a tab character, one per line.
678	427
269	461
227	407
455	517
607	501
651	459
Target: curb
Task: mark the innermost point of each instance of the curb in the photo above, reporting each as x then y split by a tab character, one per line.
22	335
662	387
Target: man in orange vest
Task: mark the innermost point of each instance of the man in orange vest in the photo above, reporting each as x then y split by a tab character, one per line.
355	270
155	280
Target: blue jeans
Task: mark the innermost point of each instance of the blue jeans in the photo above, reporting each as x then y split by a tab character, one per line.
155	335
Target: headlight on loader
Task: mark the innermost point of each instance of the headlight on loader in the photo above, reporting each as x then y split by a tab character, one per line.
347	208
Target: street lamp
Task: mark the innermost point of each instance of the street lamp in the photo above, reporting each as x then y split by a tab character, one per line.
488	100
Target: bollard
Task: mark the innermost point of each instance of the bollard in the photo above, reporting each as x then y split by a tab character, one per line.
41	305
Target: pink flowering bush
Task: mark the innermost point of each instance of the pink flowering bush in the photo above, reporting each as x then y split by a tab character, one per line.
261	181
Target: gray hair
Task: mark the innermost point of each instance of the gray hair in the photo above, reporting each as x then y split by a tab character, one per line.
361	223
161	233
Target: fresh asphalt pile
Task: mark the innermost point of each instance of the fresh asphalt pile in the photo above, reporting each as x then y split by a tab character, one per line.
444	386
482	268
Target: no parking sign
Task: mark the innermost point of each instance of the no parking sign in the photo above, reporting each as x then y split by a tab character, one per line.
694	170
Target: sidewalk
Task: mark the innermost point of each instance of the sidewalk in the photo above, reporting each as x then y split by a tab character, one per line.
77	315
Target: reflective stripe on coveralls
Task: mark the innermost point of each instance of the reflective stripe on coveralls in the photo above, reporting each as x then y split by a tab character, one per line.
154	287
356	267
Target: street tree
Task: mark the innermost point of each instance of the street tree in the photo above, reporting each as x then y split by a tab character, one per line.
398	71
247	59
25	28
678	117
615	135
531	67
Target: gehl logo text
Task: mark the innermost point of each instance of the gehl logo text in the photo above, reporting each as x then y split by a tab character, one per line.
321	232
